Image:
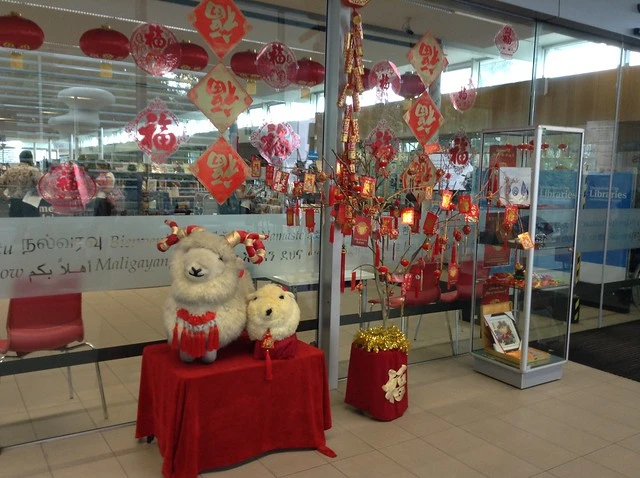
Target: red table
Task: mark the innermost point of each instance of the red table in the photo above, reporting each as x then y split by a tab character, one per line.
209	416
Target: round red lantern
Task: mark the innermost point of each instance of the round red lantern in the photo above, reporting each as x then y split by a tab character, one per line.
243	64
19	33
310	73
193	57
106	44
409	85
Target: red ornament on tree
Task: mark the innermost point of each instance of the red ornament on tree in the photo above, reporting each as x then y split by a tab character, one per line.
105	44
465	98
192	57
277	65
243	64
155	49
310	73
409	86
19	33
68	188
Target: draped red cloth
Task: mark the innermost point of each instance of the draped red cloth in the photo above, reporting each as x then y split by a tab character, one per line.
210	416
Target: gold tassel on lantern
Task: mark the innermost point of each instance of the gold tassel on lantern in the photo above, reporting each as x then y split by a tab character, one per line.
305	92
106	70
252	87
17	61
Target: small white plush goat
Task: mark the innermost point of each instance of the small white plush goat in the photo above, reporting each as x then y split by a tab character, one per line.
207	302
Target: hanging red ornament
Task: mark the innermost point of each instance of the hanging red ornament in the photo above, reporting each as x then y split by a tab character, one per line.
243	64
430	222
361	231
459	152
383	74
256	166
19	33
507	41
424	118
105	44
157	131
290	213
409	86
68	188
466	229
281	181
427	58
269	174
464	99
453	268
275	142
464	204
192	57
382	143
419	177
221	23
310	74
510	215
277	65
155	49
407	215
445	200
221	170
310	219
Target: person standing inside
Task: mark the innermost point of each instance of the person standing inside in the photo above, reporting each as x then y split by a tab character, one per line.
20	181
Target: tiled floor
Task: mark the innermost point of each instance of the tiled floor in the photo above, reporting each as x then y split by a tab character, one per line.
460	424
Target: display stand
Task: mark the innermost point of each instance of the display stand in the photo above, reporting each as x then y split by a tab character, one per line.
527	237
210	416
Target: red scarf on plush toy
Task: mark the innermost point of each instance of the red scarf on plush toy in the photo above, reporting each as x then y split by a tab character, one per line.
199	333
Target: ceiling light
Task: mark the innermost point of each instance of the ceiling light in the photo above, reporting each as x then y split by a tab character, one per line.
429	5
482	19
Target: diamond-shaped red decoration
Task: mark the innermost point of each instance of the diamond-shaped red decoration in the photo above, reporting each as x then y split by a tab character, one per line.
221	170
220	97
424	118
427	58
221	24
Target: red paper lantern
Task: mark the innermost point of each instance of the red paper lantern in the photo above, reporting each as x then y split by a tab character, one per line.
243	64
409	85
310	73
193	57
105	44
20	33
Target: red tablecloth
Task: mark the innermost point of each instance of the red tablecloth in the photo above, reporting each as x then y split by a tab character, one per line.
209	416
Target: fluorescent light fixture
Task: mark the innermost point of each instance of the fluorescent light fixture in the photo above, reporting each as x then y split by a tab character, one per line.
430	6
481	18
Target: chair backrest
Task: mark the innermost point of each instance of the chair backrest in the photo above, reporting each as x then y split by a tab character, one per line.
44	322
465	280
430	290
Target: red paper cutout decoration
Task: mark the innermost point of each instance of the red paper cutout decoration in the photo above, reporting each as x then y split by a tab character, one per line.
220	97
464	99
382	142
221	170
382	75
280	181
68	188
220	23
418	176
157	131
275	142
424	118
507	41
277	65
106	44
427	58
155	49
243	64
460	150
192	57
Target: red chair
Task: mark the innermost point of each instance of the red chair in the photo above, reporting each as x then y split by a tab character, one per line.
47	323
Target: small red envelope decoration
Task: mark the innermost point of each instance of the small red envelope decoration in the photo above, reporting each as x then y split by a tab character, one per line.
368	186
220	23
510	215
429	226
427	58
361	231
424	118
464	204
220	97
281	181
256	166
221	170
525	240
309	183
269	173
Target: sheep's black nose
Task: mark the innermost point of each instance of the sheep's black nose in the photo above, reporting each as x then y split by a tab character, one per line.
269	311
195	271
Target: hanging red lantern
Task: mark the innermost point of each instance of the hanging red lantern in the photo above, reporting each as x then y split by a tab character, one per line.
193	57
19	33
106	44
409	85
243	64
310	73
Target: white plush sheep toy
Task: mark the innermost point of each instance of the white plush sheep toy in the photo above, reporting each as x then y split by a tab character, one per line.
273	316
207	304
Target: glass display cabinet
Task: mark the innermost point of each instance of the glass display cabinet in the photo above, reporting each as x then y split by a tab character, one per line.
529	199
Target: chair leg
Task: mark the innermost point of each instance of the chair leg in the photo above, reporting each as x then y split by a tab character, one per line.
100	386
69	380
446	315
415	336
